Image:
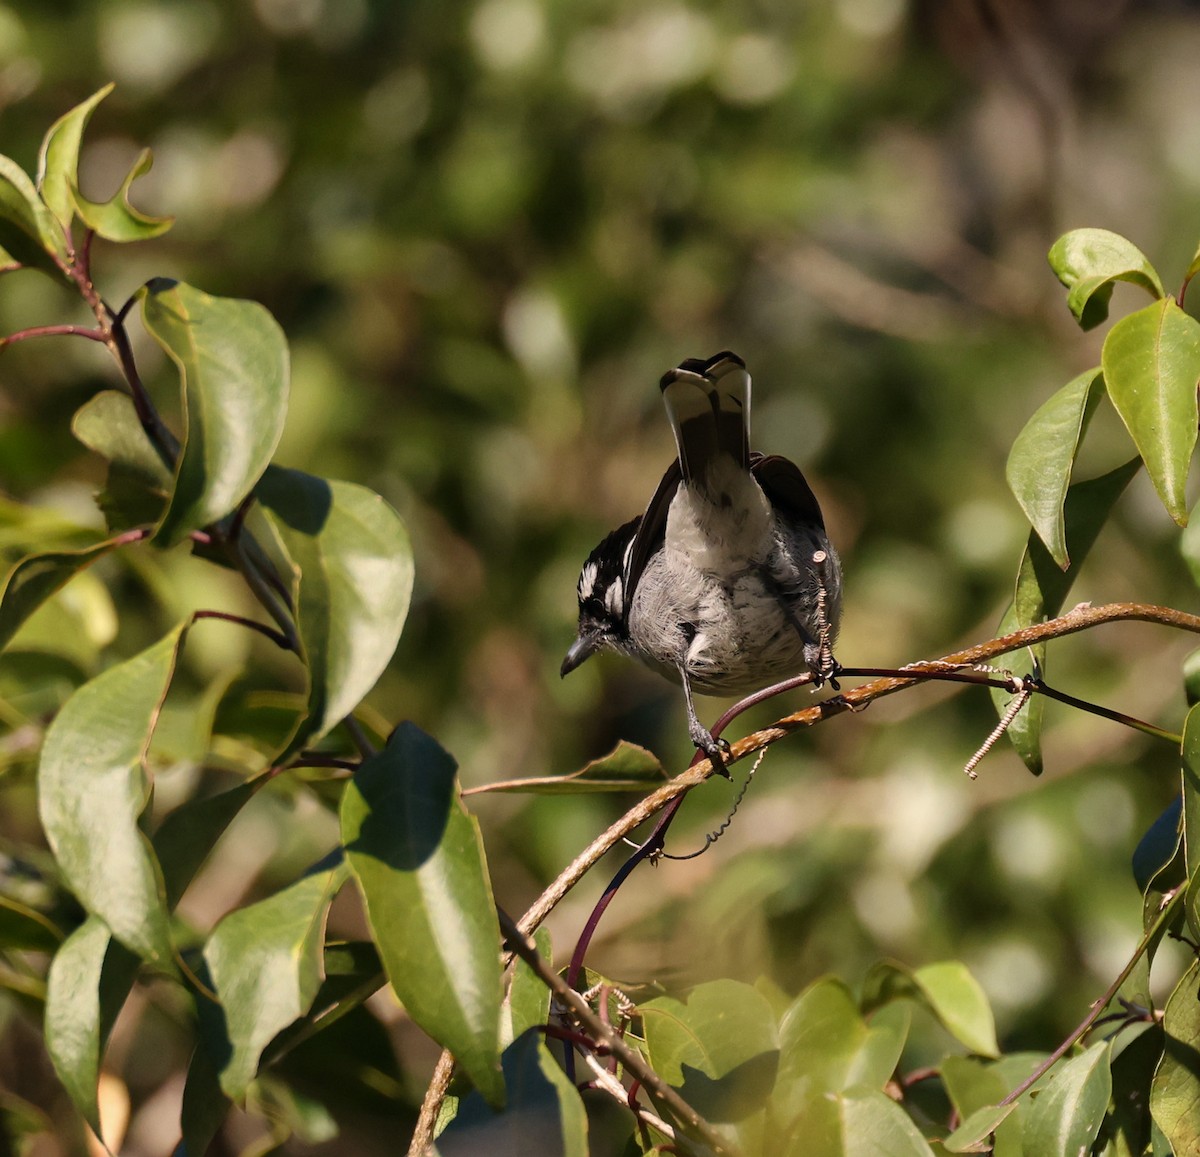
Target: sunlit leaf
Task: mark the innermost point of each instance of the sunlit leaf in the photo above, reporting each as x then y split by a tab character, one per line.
58	159
1089	261
627	767
34	579
419	862
29	232
355	580
972	1135
232	360
1151	363
266	962
528	1001
1066	1114
92	787
1040	462
974	1087
89	980
116	219
544	1114
1175	1092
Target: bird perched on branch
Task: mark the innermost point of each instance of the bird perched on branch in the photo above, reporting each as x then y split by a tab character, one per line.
728	582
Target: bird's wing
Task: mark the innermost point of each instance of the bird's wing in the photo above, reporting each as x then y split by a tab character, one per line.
708	403
786	488
651	531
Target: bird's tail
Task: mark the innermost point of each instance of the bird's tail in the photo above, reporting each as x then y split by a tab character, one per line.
708	403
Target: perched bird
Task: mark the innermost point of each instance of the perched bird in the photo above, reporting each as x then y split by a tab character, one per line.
728	582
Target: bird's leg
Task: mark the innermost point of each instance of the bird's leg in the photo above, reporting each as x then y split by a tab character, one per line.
701	737
827	666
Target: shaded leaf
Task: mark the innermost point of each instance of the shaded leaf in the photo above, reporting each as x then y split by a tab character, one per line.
205	1106
1157	847
116	219
528	1002
26	928
35	578
1089	261
139	480
1151	363
974	1087
89	980
419	862
92	787
627	767
1066	1115
1190	762
266	964
1128	1124
972	1135
58	158
1040	462
544	1114
29	232
232	360
1042	587
355	580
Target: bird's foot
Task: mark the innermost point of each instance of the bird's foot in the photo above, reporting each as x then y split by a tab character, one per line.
716	749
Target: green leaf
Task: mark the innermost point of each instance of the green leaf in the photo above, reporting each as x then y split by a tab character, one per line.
116	219
266	962
139	480
1151	362
29	232
355	581
1128	1126
975	1087
1157	847
627	767
89	980
58	159
544	1115
232	360
819	1039
971	1136
35	578
92	787
205	1106
721	1048
947	989
1067	1113
25	928
1089	261
528	1003
419	862
874	1124
1040	462
876	1061
1175	1092
1042	588
1191	815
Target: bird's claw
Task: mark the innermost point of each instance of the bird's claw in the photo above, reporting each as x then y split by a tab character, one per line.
715	748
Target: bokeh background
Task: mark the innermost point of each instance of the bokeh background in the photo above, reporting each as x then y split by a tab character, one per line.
487	228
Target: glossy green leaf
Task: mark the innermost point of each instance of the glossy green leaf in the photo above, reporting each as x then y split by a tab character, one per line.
139	480
887	1031
355	580
116	219
627	767
92	787
187	836
1151	363
819	1039
1042	587
855	1123
58	159
721	1048
1175	1092
544	1114
975	1087
972	1135
1066	1115
1089	261
266	963
89	980
34	579
1190	752
232	360
948	990
419	862
1157	847
29	232
528	1001
1043	454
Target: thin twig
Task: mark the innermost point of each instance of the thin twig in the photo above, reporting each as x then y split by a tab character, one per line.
54	331
276	637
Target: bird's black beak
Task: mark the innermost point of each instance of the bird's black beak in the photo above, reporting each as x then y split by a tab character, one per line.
583	648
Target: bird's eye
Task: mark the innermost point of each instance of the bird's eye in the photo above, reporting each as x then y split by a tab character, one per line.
592	607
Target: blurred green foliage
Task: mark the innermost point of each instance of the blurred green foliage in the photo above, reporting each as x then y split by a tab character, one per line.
486	230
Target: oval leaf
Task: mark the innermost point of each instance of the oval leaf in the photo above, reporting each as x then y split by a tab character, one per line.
1066	1115
873	1123
58	159
90	977
116	219
1151	363
1089	261
355	580
1175	1092
418	859
233	369
947	989
1040	462
92	787
971	1136
628	767
29	232
266	962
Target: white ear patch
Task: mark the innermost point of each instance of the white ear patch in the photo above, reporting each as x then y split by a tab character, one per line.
614	598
